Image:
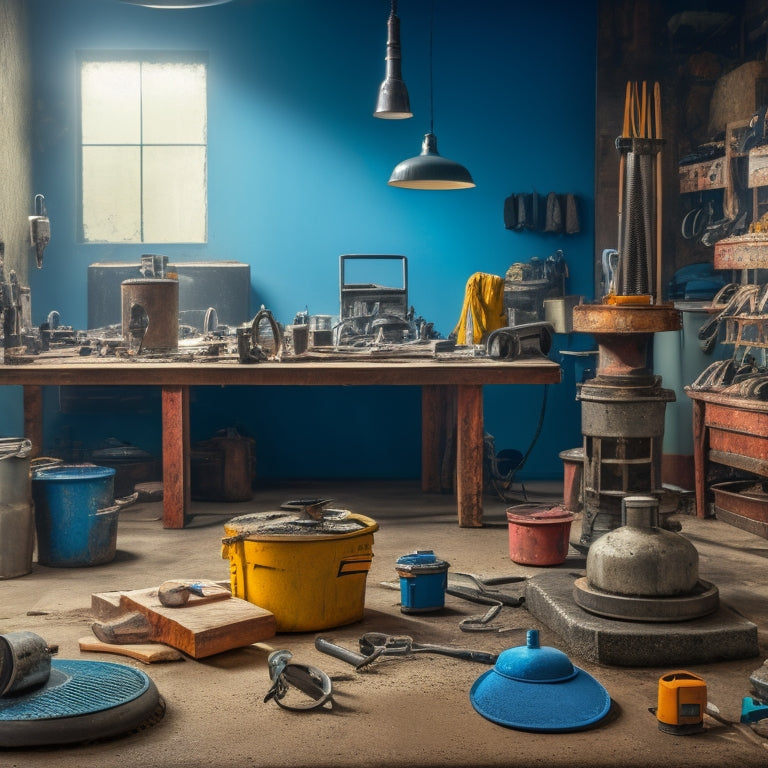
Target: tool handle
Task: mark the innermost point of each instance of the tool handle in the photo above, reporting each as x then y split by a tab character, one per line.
344	654
458	653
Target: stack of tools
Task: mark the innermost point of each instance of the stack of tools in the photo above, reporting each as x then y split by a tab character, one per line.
639	197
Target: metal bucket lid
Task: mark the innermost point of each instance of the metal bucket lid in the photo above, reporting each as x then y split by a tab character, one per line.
538	514
291	525
421	561
70	472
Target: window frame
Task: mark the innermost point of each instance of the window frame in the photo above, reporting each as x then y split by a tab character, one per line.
142	56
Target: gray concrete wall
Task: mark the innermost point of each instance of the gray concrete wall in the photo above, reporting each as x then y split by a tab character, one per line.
15	150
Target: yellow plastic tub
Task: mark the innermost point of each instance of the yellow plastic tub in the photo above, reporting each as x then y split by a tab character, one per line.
309	573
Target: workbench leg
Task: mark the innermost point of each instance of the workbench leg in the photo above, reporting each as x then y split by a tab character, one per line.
176	463
469	456
33	418
700	449
438	444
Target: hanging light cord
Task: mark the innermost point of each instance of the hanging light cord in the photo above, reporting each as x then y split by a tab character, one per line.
431	66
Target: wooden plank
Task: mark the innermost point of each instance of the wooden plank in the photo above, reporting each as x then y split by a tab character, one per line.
149	653
742	421
64	371
469	456
202	630
177	484
700	449
33	418
738	444
438	425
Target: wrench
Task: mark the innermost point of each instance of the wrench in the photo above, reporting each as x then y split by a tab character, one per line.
389	645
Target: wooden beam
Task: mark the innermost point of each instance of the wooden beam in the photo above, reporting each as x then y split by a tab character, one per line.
176	456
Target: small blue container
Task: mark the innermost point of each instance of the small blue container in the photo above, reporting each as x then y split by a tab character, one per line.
75	516
423	580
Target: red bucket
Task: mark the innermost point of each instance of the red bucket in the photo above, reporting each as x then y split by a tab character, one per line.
539	534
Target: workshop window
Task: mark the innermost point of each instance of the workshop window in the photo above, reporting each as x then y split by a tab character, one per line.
143	150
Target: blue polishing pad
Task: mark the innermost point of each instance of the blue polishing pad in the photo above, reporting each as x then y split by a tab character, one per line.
531	688
81	700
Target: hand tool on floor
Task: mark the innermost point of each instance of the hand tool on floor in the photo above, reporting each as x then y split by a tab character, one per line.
175	593
297	686
389	645
149	653
359	661
483	591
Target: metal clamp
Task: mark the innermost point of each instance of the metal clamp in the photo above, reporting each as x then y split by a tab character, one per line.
313	686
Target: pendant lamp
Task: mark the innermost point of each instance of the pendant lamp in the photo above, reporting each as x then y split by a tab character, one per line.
430	170
175	3
393	102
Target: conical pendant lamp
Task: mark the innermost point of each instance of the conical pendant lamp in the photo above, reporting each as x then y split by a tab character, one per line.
393	102
430	170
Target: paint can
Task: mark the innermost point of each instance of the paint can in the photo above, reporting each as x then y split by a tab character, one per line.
539	534
423	581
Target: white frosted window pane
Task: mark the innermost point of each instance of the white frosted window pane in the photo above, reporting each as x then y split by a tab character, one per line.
111	194
174	105
111	102
174	195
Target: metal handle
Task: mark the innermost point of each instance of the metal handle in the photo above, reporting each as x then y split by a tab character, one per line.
458	653
357	660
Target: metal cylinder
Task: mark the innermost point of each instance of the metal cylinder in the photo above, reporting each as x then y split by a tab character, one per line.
17	520
25	661
150	314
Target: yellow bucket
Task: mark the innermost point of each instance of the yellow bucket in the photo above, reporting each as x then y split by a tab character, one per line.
309	573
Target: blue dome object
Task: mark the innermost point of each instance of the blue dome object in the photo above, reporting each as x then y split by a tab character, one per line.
531	688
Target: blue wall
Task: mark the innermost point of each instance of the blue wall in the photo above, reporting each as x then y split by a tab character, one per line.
297	176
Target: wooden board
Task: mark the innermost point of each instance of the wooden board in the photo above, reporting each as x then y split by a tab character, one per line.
202	630
149	653
198	630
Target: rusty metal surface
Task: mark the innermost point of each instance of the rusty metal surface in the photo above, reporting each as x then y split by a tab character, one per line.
611	319
749	251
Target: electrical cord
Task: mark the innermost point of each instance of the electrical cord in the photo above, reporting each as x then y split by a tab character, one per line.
501	486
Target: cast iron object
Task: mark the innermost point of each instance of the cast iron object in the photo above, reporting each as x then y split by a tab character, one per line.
388	645
357	660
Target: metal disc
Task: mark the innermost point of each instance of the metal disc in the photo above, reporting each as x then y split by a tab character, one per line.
702	601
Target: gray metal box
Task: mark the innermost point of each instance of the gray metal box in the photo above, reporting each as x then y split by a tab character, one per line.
223	285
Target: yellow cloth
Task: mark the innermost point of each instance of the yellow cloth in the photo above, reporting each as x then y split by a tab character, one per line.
483	309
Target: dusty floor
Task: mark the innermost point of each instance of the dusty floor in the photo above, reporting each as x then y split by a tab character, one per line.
412	712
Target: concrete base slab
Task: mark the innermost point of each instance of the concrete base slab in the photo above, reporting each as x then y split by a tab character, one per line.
721	636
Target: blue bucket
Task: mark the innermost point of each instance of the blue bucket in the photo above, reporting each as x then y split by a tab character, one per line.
75	516
423	581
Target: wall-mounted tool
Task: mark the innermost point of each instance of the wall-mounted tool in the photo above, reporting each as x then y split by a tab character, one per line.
39	229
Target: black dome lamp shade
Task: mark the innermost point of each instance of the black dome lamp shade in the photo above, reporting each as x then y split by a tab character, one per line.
393	102
176	3
429	170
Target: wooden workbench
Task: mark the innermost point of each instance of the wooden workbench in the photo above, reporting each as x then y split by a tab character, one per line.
452	394
727	430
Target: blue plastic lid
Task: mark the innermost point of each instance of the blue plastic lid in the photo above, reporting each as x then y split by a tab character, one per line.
423	560
73	472
538	689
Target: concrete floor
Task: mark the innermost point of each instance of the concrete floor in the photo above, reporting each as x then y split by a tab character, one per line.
412	712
